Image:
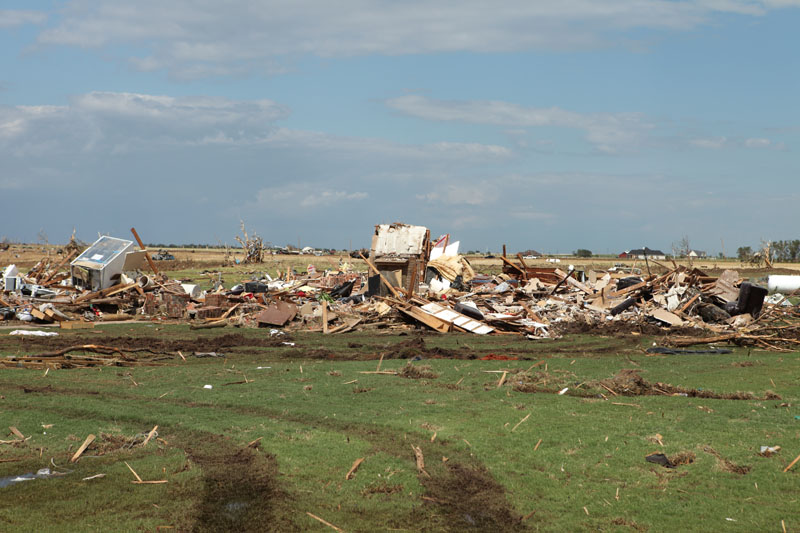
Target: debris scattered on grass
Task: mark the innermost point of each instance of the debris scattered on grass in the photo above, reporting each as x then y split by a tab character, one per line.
725	464
412	371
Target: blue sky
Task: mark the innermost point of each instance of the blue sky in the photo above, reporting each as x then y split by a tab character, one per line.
600	124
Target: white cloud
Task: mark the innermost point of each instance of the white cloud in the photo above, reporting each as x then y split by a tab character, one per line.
13	17
462	194
238	36
716	143
295	197
608	132
757	143
711	143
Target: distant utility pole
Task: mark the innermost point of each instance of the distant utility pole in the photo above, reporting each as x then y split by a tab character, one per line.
723	246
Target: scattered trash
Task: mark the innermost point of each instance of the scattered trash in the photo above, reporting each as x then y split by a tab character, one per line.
34	333
768	451
208	387
43	473
412	281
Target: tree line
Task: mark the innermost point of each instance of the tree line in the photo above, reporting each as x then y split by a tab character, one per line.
787	251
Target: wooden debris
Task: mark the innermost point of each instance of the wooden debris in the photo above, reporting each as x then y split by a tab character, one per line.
420	459
796	459
520	422
149	436
79	452
318	519
352	471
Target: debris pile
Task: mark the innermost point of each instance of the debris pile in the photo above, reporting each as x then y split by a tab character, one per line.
412	281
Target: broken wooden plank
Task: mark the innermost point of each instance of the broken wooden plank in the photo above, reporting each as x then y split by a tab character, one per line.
149	436
352	471
141	245
420	459
82	448
322	521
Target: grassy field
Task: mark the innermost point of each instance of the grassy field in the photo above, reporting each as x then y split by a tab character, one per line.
509	457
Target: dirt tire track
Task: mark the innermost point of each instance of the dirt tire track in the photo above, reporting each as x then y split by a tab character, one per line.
461	495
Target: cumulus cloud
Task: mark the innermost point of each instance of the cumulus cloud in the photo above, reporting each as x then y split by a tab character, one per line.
608	132
10	18
238	36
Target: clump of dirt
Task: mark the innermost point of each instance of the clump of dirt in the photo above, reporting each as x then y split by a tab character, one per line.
628	523
381	488
540	381
314	353
725	464
416	348
682	458
743	364
417	372
628	382
470	499
359	390
622	328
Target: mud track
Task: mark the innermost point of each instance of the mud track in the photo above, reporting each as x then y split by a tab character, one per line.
241	491
240	487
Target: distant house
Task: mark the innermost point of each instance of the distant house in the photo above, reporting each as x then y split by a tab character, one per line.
640	253
697	253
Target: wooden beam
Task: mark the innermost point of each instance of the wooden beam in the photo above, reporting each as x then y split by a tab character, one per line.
83	447
141	245
383	279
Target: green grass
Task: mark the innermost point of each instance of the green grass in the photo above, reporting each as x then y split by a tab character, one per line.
313	423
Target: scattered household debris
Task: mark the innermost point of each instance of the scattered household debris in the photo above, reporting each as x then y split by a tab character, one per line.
412	281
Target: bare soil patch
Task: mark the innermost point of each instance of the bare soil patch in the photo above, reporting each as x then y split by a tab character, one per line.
240	488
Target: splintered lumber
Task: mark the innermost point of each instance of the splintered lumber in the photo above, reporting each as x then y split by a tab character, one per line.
83	447
141	245
103	293
352	471
574	282
426	318
520	422
420	459
502	379
149	436
133	472
53	272
322	521
16	432
383	279
325	317
792	463
689	341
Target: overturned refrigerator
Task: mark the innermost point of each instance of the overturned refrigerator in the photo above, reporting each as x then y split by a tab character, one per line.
101	265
